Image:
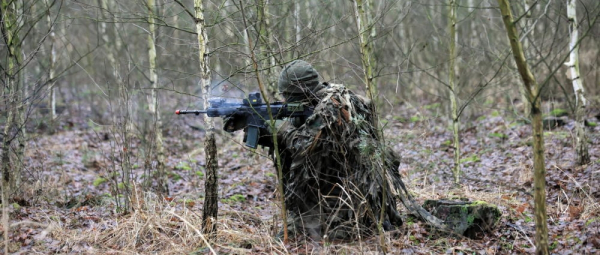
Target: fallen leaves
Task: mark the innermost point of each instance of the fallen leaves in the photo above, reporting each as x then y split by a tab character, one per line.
247	182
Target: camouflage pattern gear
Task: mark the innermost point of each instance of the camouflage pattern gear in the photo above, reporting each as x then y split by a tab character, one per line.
298	80
333	167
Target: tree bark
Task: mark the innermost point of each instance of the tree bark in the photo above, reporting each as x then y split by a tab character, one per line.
581	147
272	127
11	168
153	104
364	28
528	23
453	88
366	51
532	90
264	42
52	66
123	126
210	210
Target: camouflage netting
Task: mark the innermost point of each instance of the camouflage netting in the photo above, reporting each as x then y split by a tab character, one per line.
333	169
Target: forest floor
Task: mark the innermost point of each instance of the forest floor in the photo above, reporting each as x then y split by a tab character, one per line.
69	203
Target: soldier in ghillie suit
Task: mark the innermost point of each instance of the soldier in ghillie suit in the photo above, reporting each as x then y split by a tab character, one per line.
338	174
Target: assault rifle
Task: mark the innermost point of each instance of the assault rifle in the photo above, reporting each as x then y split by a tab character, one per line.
251	114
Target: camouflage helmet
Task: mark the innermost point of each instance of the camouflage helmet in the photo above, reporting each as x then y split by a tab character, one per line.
297	77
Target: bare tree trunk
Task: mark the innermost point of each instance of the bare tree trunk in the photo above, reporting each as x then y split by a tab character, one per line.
366	51
22	105
121	120
11	168
265	42
364	28
583	156
528	25
11	171
297	24
210	210
532	90
52	66
278	164
154	102
453	88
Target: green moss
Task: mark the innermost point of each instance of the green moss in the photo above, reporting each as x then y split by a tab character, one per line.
432	106
413	239
472	158
471	219
558	112
479	202
590	221
498	135
557	134
99	181
175	176
183	166
415	119
399	119
467	218
553	245
237	198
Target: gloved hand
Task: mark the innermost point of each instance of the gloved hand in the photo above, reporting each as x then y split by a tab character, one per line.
234	123
266	137
282	126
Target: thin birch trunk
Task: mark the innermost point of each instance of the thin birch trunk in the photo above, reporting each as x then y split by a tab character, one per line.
264	41
22	98
123	125
364	26
532	90
154	102
474	40
297	24
52	66
453	88
366	50
210	210
273	129
528	25
581	147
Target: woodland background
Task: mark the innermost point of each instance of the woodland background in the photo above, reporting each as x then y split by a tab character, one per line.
95	160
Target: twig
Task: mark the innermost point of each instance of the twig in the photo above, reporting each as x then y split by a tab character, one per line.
576	182
522	232
195	229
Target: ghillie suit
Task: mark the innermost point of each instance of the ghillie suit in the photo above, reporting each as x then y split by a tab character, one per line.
333	166
336	169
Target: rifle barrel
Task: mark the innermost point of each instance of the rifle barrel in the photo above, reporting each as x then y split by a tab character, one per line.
197	112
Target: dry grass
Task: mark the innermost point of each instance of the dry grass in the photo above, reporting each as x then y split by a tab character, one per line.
157	226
